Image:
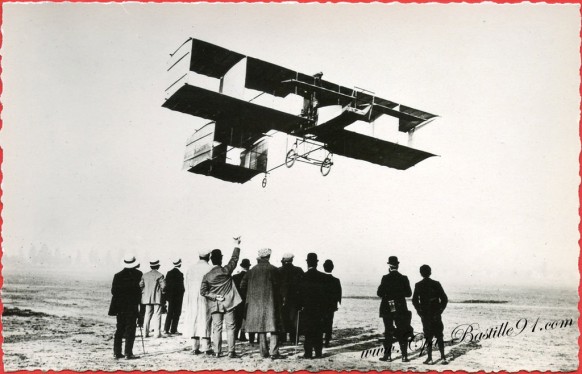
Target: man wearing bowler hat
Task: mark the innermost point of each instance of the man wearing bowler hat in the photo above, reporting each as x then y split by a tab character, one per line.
393	290
312	298
175	296
153	286
239	311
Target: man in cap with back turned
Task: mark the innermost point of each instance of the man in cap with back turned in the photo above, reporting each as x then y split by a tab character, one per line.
153	286
222	295
429	300
290	278
239	311
126	296
198	321
334	297
263	305
313	301
393	290
175	296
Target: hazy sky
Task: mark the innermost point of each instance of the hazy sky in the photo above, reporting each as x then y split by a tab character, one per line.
92	160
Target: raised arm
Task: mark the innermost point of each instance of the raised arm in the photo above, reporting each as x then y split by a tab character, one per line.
234	258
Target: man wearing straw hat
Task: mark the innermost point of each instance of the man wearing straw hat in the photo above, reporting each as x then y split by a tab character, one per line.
126	295
290	278
175	296
152	286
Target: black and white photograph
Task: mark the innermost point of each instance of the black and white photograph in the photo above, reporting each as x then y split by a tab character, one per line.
286	187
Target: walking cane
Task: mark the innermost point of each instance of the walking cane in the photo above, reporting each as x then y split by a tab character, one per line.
297	333
142	344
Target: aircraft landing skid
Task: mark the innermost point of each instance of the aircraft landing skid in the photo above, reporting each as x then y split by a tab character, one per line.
305	157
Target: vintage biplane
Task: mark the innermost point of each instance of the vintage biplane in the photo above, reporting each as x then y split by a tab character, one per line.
246	99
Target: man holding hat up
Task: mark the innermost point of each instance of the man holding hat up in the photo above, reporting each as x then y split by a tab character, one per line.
312	299
198	321
175	296
263	305
218	288
393	290
152	287
126	295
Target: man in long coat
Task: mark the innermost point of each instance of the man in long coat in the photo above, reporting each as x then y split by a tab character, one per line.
126	296
198	320
175	296
312	298
394	289
429	300
334	297
153	285
239	311
290	278
218	288
263	303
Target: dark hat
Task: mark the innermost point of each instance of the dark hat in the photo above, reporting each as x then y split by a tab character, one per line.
177	263
312	257
425	271
245	263
328	265
216	253
393	260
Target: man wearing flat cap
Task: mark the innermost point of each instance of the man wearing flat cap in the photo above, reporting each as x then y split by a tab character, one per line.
174	296
239	311
334	298
222	296
198	321
153	286
312	299
429	300
263	305
290	278
393	290
126	296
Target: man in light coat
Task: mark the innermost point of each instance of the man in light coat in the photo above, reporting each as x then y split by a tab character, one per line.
222	295
263	303
198	320
152	286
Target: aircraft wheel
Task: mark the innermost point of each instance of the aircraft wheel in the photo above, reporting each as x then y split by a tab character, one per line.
326	166
290	159
264	183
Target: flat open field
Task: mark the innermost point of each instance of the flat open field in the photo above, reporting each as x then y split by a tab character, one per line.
53	323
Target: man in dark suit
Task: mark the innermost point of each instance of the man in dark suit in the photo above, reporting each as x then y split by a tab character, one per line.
126	296
334	297
239	311
219	289
393	290
174	295
313	301
429	300
290	278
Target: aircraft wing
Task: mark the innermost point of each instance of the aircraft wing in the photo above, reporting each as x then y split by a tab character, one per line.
229	112
212	60
367	148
